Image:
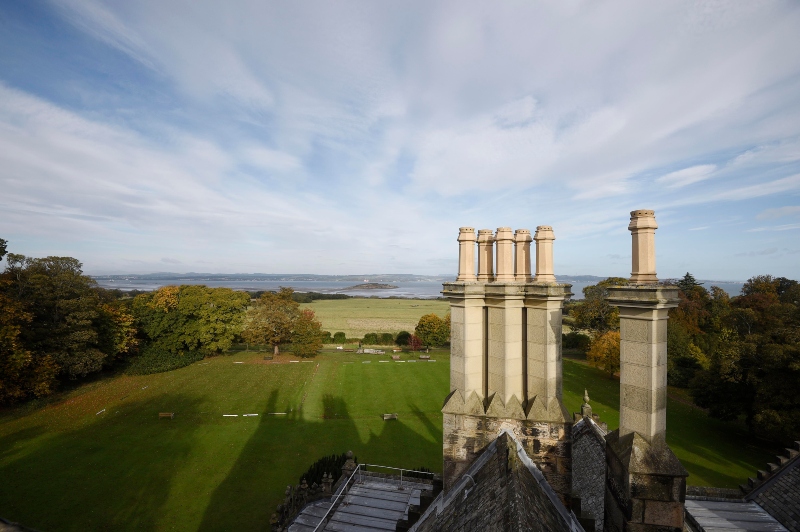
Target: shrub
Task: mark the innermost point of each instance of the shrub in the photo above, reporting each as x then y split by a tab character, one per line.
339	338
402	338
327	464
154	360
326	337
385	339
371	339
576	340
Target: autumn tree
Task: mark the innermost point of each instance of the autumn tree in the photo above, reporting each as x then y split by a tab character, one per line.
594	312
306	334
414	343
271	320
604	352
433	330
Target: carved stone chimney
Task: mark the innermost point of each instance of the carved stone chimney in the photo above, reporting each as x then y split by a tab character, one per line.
544	254
522	256
466	254
505	255
486	255
643	231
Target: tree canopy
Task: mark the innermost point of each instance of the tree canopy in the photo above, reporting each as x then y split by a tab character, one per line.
271	320
433	330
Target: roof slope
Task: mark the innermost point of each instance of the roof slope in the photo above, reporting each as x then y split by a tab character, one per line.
780	495
501	490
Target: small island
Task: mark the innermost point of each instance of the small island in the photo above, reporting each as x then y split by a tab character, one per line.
371	286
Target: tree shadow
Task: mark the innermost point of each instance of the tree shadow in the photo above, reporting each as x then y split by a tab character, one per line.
281	450
113	473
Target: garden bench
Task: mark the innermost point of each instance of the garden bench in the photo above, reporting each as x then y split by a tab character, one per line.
166	414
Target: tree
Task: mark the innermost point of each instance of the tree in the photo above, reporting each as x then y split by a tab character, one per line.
191	318
433	330
339	338
402	338
687	283
385	339
594	313
306	334
414	343
3	248
604	352
21	373
271	320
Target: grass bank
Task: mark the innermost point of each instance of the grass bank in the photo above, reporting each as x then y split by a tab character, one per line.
99	457
357	317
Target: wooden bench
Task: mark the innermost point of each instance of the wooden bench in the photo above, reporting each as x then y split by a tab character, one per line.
387	417
166	414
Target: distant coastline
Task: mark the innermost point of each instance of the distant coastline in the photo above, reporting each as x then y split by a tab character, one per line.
371	286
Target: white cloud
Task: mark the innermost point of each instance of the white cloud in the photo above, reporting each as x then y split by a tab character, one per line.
687	176
779	212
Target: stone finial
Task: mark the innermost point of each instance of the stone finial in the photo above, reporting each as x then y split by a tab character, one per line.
505	255
522	256
544	254
643	231
466	254
586	409
486	255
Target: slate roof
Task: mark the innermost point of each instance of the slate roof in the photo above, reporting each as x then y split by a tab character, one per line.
501	490
729	516
780	495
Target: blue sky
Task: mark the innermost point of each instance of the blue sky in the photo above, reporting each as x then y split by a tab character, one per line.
356	137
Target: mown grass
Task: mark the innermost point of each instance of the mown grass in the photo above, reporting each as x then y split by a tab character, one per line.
357	317
66	467
715	453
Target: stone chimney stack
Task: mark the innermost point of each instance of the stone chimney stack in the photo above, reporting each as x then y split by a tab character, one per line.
643	231
646	483
522	256
486	255
466	254
544	254
505	255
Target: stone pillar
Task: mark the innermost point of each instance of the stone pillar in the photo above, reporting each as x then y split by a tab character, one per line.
466	337
544	254
485	255
646	483
543	305
505	255
505	373
522	256
466	254
643	231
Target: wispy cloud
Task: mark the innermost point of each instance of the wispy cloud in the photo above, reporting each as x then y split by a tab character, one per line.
761	253
779	212
786	227
687	176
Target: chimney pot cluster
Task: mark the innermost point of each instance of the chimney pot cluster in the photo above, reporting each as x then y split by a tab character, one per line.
505	256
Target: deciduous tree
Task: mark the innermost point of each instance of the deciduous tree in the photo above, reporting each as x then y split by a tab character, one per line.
433	330
307	334
604	352
271	320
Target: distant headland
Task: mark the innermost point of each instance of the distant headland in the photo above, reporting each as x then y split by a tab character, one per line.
371	286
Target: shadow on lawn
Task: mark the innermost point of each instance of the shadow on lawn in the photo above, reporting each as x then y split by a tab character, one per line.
282	449
114	473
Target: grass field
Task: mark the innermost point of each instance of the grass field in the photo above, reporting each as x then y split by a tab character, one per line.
67	467
357	317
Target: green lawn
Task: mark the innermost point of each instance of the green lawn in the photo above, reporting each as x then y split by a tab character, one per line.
65	467
714	453
357	317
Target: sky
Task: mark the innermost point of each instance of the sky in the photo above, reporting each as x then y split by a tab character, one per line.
357	137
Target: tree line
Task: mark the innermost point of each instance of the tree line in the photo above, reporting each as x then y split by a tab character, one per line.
739	356
57	326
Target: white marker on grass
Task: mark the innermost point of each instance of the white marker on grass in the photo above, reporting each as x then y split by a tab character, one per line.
230	415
